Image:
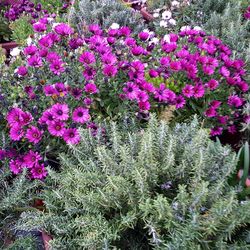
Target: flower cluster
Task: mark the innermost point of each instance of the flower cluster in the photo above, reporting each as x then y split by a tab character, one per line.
247	13
74	80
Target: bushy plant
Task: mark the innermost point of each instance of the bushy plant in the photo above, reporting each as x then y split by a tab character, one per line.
104	13
73	81
158	188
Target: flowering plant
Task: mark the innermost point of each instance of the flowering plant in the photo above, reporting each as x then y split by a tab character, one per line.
70	81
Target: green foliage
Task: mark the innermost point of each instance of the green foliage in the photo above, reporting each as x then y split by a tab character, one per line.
21	29
104	13
5	31
158	188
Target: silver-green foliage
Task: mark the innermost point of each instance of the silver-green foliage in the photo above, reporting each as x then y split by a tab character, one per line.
158	188
104	13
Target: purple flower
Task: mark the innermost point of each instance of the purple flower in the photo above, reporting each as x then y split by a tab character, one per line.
188	91
63	29
143	36
81	115
179	102
162	94
212	84
57	67
56	128
124	31
224	71
35	61
16	133
71	136
235	101
33	134
46	42
198	91
15	167
39	27
210	112
30	50
216	131
137	50
87	58
22	71
131	90
77	93
144	106
60	111
31	159
110	70
39	171
91	88
95	29
89	73
109	59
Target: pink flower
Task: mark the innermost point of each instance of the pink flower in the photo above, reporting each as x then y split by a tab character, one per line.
47	117
71	136
131	90
110	70
16	133
49	90
35	61
188	91
124	31
163	94
31	159
216	131
215	104
179	102
87	58
175	65
14	116
33	134
235	101
143	36
60	111
15	167
224	71
30	50
89	73
46	42
53	56
165	61
91	88
212	84
39	27
63	29
144	105
57	67
56	128
39	171
81	115
22	71
61	89
198	91
109	59
210	112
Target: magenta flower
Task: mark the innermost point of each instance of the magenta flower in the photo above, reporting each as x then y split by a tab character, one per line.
143	36
39	171
30	50
22	71
57	67
89	73
153	73
49	90
95	29
26	118
235	101
31	159
224	71
91	88
109	59
144	105
56	128
110	70
46	42
81	115
216	131
71	136
212	84
124	31
175	65
47	117
163	94
39	27
198	91
131	90
87	101
76	93
142	96
16	133
14	116
188	91
165	61
210	112
53	56
169	47
137	50
60	111
33	134
232	129
35	61
179	102
215	104
61	89
87	58
222	119
63	29
15	167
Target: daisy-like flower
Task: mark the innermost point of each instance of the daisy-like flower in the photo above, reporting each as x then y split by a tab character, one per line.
87	58
31	159
210	112
39	171
16	133
179	102
15	167
30	50
131	90
47	117
216	131
110	70
212	84
34	135
89	73
63	29
60	111
71	136
22	71
91	88
57	67
198	91
81	115
235	101
56	128
35	61
39	27
14	117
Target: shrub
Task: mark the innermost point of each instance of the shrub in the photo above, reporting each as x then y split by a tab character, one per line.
73	81
156	188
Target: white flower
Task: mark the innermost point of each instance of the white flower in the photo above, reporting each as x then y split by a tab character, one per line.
166	38
15	52
29	41
166	14
175	4
183	28
154	40
172	21
155	15
198	28
163	23
115	26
